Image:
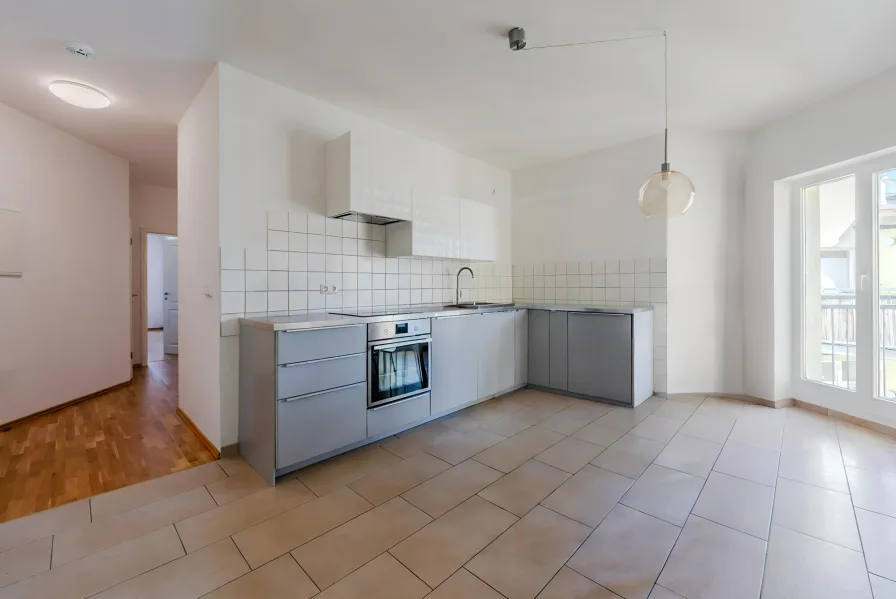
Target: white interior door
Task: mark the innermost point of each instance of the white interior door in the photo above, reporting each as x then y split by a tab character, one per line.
169	296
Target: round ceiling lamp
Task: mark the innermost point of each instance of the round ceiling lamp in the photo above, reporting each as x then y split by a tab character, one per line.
78	94
667	192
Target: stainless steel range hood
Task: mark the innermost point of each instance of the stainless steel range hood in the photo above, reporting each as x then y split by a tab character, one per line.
367	218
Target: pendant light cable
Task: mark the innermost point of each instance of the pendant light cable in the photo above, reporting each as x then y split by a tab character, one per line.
666	99
606	41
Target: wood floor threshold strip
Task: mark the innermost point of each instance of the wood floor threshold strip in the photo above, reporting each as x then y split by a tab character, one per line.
8	425
208	444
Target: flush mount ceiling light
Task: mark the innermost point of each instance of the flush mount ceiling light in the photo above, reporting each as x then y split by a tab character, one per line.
80	95
667	192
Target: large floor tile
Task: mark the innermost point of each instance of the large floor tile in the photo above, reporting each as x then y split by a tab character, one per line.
279	579
421	438
44	524
464	585
598	434
128	498
522	489
335	554
748	462
77	543
694	399
737	503
383	485
88	576
570	454
231	518
710	560
519	449
440	548
563	424
25	560
820	467
866	455
659	592
802	566
569	584
343	469
629	456
873	491
882	587
589	495
518	421
267	540
242	480
452	487
586	410
664	493
382	578
879	540
687	454
817	512
849	433
189	577
621	419
520	562
720	408
465	446
676	410
758	434
657	428
626	552
708	428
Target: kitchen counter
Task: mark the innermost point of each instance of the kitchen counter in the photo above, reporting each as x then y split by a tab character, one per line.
322	319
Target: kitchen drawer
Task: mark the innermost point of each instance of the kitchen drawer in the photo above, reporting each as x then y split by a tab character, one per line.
315	344
392	417
319	423
320	375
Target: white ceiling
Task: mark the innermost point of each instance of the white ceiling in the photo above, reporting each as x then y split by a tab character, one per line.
442	70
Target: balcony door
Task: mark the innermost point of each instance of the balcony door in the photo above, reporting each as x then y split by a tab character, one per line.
847	286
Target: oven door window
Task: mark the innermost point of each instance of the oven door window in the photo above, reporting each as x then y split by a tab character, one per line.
399	371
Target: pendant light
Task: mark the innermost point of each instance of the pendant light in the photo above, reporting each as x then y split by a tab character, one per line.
667	192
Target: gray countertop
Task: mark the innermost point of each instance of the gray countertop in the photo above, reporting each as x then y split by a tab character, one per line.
317	320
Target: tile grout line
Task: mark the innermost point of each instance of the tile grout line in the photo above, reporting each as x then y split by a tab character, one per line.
853	505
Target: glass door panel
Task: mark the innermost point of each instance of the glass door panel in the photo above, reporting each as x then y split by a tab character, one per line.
885	246
829	282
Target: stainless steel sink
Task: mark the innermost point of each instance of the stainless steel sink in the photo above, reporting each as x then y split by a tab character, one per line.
477	305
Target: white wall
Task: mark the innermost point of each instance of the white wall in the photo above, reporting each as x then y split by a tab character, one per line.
705	259
64	325
198	184
854	123
155	263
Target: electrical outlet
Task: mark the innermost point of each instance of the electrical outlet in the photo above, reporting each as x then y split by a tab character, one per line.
328	289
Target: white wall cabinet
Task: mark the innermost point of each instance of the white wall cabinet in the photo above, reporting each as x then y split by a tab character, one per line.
494	344
445	226
367	174
478	231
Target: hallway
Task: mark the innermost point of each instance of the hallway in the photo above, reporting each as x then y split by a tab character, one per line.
126	436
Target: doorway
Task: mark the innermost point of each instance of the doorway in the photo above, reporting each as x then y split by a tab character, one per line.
160	300
847	286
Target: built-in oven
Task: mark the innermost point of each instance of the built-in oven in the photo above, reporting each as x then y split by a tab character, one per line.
397	361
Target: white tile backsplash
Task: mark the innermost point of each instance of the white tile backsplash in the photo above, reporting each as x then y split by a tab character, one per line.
278	260
278	240
233	258
278	221
298	222
256	258
233	302
233	280
278	280
256	280
298	242
256	301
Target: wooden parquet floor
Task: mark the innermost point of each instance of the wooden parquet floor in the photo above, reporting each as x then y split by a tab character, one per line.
126	436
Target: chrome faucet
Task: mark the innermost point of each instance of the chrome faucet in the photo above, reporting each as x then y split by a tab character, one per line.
458	281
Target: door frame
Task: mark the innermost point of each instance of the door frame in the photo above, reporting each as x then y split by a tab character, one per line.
863	402
144	309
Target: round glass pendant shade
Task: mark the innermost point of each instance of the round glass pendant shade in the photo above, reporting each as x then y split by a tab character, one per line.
666	192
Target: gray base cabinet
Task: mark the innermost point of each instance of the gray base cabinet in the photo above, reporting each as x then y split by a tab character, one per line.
558	350
520	347
453	361
539	358
600	355
493	342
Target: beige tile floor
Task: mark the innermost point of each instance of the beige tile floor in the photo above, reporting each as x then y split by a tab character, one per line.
531	495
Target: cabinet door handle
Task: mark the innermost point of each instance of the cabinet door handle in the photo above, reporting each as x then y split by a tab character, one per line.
298	397
338	326
291	364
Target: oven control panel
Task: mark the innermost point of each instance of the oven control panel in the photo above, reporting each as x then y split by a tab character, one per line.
377	331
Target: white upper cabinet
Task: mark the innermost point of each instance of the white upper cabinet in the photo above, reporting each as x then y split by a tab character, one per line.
436	225
478	231
368	175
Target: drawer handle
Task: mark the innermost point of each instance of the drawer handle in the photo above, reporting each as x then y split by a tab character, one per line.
290	365
337	326
323	392
395	403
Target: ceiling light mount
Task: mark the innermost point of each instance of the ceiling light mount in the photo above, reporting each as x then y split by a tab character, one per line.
80	50
517	37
